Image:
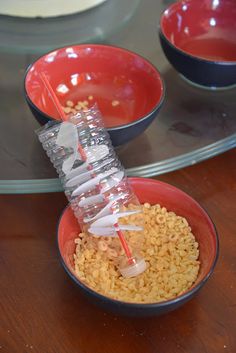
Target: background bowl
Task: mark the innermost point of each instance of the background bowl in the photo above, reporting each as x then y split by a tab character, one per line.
199	40
173	199
128	89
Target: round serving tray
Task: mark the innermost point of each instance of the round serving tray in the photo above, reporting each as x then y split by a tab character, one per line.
37	35
193	124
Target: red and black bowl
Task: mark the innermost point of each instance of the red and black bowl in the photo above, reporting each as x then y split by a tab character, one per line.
127	88
152	191
199	40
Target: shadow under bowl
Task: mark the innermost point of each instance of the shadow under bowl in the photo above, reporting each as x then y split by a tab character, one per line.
199	40
127	88
152	191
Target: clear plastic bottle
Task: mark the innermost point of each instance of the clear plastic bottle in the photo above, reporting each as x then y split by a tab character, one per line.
95	183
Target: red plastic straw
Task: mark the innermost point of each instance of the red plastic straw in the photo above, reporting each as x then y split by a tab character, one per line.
124	243
53	96
59	108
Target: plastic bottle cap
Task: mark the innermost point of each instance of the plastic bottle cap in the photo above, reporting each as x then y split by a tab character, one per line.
134	269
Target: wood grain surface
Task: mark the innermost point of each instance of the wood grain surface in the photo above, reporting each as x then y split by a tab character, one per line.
41	311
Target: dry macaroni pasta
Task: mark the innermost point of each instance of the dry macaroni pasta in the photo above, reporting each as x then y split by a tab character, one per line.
168	246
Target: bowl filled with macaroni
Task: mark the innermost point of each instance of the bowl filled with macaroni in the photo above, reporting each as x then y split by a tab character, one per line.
179	243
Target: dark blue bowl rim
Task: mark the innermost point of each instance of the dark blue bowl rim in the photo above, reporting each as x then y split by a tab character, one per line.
119	127
198	58
157	305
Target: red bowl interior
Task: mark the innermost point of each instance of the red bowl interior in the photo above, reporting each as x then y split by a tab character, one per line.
107	73
173	199
202	28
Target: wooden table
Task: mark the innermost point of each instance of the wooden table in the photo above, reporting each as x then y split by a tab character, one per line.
43	312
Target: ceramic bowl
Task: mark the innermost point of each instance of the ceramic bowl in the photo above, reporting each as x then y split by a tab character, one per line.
199	40
128	89
151	191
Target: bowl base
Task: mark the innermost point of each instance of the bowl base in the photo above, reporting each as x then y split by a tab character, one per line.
208	88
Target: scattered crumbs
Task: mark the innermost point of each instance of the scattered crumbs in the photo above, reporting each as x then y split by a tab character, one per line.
31	347
73	108
0	347
27	345
225	346
69	104
8	331
104	324
141	333
82	105
114	103
67	110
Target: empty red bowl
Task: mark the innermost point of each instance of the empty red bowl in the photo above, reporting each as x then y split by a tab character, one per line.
128	89
173	199
199	40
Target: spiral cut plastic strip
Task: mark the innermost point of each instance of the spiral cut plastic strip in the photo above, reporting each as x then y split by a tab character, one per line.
93	179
